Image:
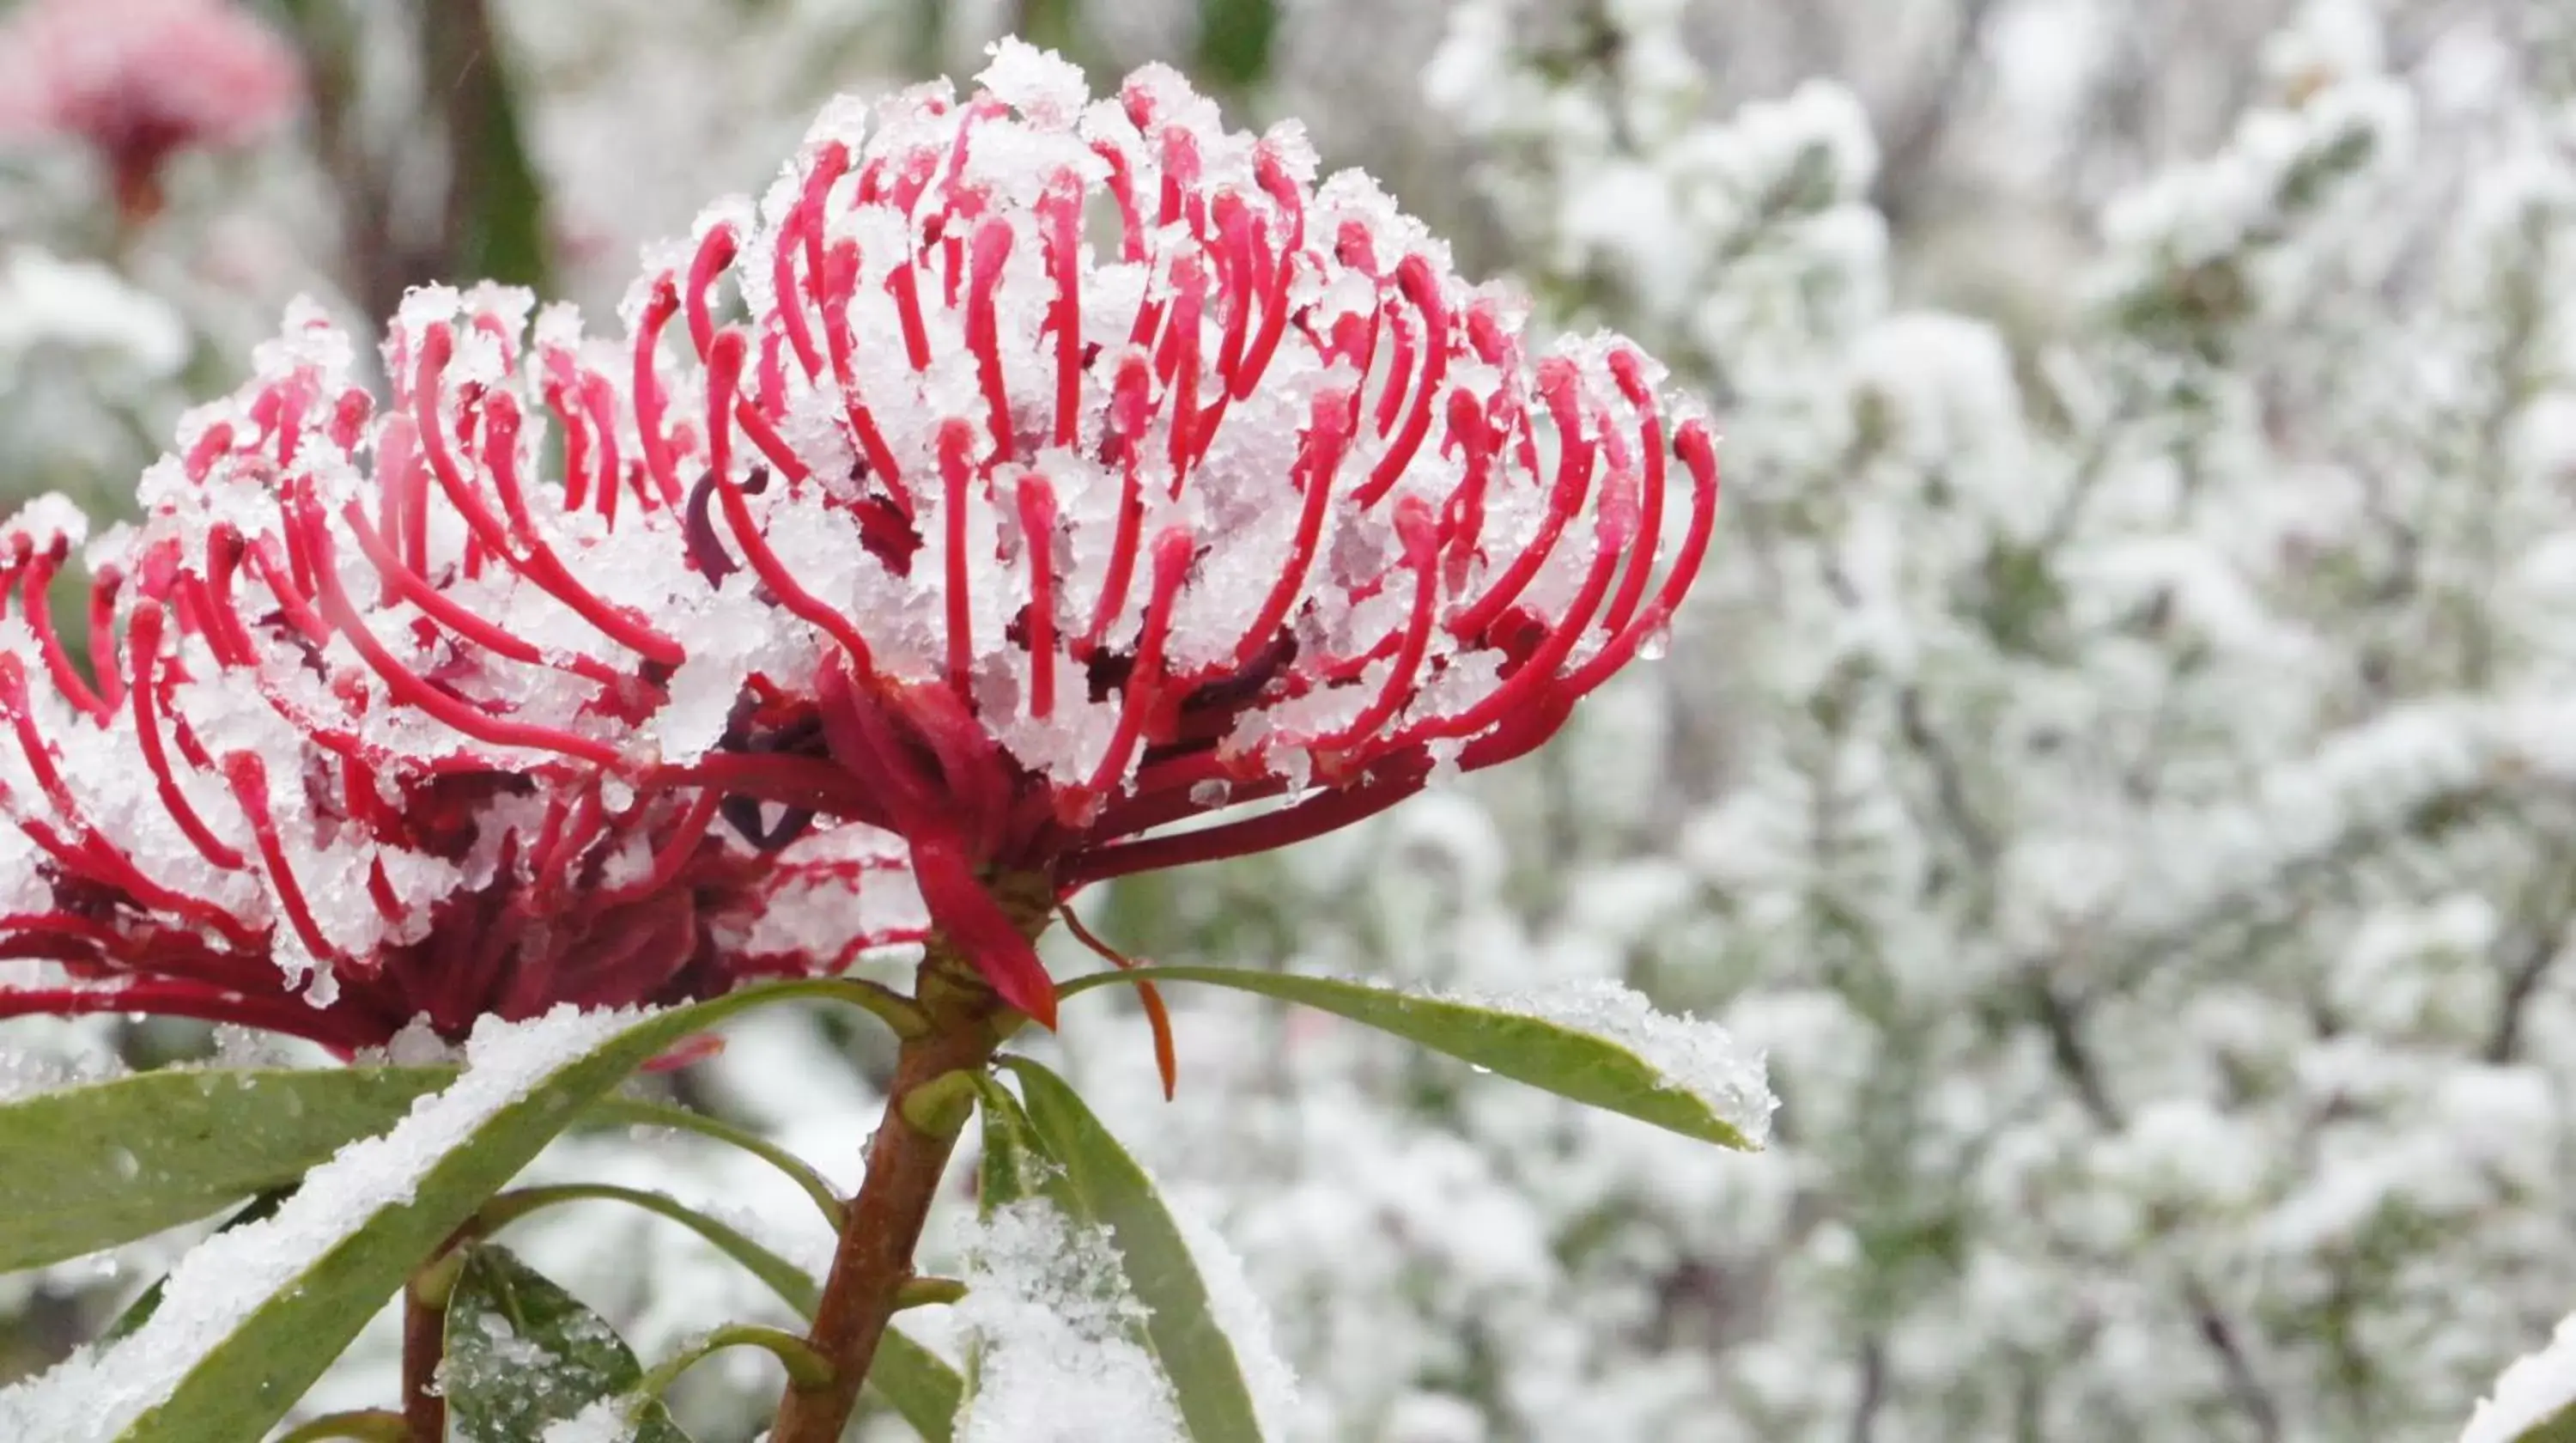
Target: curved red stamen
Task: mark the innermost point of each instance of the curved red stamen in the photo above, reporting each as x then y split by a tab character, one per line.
899	283
599	402
724	356
1060	222
216	441
1037	532
1561	386
1616	524
649	400
1318	814
197	1001
413	689
1421	539
539	564
1128	415
706	269
840	273
1420	285
1699	456
674	853
33	588
992	251
1329	426
1173	551
104	587
804	225
782	583
771	445
404	584
1626	370
249	779
956	470
1122	190
143	644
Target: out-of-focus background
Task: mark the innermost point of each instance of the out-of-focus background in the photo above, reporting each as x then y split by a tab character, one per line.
2121	761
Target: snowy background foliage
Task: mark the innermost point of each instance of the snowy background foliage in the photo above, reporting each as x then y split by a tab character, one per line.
2122	762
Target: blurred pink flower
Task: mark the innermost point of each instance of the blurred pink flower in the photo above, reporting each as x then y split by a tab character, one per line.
141	80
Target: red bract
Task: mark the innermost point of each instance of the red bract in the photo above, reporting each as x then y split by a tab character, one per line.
142	80
381	730
1134	477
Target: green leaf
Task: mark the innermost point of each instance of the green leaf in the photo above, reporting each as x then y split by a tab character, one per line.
1016	1164
790	1282
920	1386
1181	1324
104	1163
636	1112
228	1358
2558	1427
1604	1048
1235	41
522	1353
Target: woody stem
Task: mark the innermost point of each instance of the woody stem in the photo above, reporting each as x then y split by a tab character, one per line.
424	1344
906	1160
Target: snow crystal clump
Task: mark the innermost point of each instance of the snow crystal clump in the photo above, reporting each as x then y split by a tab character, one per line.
96	1394
602	1422
1048	1306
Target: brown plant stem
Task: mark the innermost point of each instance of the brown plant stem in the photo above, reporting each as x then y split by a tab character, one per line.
905	1165
424	1409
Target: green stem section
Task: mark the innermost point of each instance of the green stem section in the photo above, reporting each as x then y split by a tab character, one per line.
782	1276
373	1425
638	1113
806	1369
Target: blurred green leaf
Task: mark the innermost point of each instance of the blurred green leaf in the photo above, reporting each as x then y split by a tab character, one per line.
1234	41
496	206
104	1163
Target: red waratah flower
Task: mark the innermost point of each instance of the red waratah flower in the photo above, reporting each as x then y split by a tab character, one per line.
381	730
1131	477
141	80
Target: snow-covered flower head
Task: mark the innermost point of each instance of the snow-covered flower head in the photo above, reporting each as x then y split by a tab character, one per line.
141	80
375	727
1131	475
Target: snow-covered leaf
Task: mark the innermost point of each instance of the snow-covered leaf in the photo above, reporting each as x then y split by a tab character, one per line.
914	1381
1181	1323
2535	1399
251	1318
148	1302
522	1353
93	1166
1598	1043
